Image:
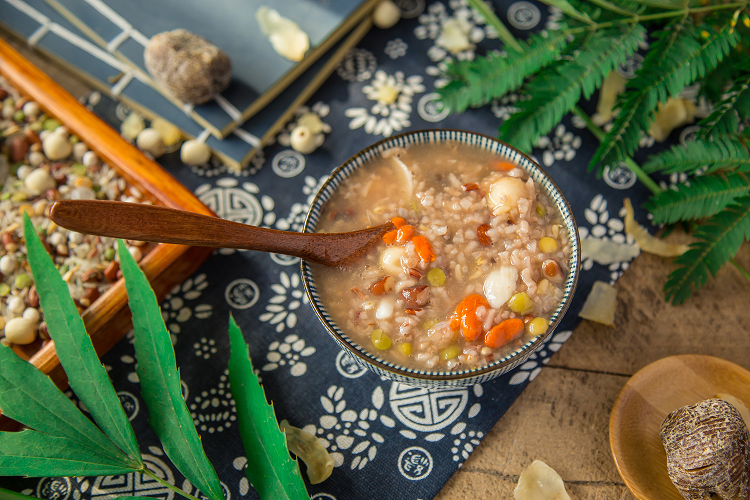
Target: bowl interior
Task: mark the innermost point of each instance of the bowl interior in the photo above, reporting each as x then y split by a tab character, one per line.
497	150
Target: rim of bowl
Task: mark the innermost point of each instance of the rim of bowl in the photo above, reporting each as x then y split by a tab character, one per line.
510	360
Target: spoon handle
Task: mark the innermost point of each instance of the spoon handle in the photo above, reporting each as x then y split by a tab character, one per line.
134	221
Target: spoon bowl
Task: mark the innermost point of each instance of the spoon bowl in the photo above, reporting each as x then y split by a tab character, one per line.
138	222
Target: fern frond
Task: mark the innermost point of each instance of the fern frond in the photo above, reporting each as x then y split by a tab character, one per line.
568	9
728	114
719	239
677	59
705	196
558	89
722	153
475	83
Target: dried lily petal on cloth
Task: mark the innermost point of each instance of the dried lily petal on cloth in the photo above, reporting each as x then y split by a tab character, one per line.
310	450
600	304
607	252
540	482
645	240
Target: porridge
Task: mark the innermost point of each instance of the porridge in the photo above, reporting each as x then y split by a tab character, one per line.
474	268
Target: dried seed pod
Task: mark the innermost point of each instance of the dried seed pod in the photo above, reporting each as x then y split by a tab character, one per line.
708	450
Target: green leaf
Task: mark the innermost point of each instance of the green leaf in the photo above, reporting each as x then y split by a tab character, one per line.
87	377
491	19
720	154
719	239
270	468
557	90
160	382
34	454
728	114
475	83
569	10
679	57
703	197
29	397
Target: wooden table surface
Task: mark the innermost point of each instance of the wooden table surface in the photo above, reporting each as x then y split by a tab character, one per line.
562	418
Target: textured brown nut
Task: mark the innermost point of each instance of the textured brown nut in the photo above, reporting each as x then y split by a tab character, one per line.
708	450
190	67
31	136
90	275
89	296
18	148
33	297
111	271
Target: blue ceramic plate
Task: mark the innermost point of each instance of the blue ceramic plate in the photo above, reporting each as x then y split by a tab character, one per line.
494	148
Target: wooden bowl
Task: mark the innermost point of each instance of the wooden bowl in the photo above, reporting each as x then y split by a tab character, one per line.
107	320
645	401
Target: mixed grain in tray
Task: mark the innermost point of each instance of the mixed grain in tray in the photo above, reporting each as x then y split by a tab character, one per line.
475	267
40	162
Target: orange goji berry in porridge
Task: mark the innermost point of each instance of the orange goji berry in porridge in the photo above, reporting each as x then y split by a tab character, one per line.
474	268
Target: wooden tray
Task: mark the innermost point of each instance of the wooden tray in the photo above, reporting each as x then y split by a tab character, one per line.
107	320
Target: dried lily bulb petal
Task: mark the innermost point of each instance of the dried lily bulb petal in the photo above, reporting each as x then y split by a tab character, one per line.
708	450
310	450
645	240
286	37
600	304
613	86
672	114
540	482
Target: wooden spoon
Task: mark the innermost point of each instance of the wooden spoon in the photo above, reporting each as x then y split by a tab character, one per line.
138	222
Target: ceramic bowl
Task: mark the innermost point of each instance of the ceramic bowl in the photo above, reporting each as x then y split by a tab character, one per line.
421	377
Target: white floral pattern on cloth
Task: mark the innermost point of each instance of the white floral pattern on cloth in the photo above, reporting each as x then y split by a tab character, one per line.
606	227
357	65
464	442
281	308
390	113
346	432
561	145
213	410
295	221
455	32
289	352
504	107
533	365
395	48
174	309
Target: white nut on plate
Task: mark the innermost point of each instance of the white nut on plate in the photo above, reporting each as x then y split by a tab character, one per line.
90	159
150	141
79	149
20	331
32	314
39	181
56	146
304	141
8	264
386	14
31	109
36	158
194	152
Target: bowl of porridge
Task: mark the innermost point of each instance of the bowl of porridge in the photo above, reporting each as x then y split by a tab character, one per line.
479	269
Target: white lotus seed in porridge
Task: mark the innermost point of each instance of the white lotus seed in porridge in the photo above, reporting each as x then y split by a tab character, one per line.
474	268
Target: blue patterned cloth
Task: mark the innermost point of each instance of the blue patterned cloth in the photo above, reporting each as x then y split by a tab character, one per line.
388	440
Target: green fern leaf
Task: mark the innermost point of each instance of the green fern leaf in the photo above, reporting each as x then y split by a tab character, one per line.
475	83
703	197
719	239
727	115
559	88
721	154
678	58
